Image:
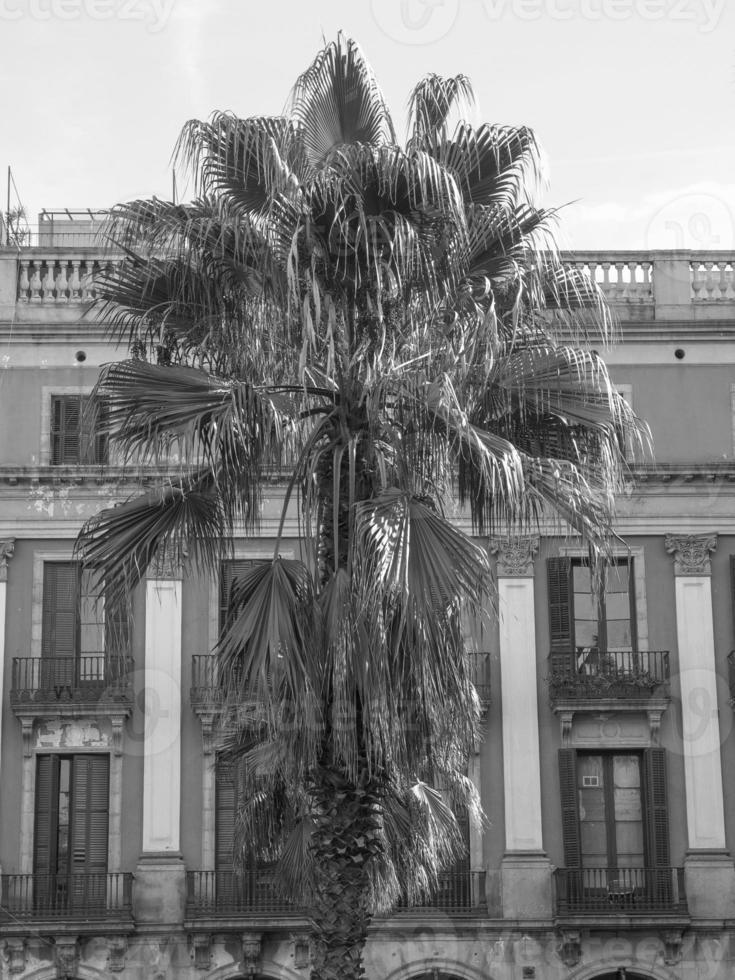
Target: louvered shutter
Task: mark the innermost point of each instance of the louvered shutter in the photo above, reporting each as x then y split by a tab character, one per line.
229	572
225	816
45	830
66	423
47	814
569	808
89	829
657	814
560	620
60	623
660	884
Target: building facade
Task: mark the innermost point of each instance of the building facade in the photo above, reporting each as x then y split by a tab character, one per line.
608	753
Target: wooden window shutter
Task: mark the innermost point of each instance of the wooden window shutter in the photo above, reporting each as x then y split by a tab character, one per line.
60	607
559	572
66	424
569	808
657	812
226	797
229	571
90	804
46	815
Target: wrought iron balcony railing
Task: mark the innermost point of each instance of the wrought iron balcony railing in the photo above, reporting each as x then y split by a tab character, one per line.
208	685
458	892
224	894
211	894
88	679
589	673
70	897
619	891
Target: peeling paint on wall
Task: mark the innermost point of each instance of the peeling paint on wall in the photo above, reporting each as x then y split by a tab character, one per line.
75	734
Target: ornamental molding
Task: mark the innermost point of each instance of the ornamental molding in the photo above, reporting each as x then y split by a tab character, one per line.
691	552
251	949
515	555
168	566
66	957
7	548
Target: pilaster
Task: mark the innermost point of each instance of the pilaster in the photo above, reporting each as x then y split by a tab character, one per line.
7	548
525	869
710	875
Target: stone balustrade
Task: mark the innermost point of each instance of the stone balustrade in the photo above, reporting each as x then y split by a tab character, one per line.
636	283
53	276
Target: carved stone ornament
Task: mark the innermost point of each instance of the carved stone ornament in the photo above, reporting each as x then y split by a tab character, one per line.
7	548
301	949
515	555
250	953
169	566
570	948
672	946
691	552
66	957
117	947
201	950
15	954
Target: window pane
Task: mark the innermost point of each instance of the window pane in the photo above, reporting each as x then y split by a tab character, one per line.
628	812
593	830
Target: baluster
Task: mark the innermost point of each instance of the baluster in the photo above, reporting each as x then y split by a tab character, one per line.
36	283
606	286
61	283
722	284
709	283
74	283
647	289
86	281
24	284
697	284
48	282
621	289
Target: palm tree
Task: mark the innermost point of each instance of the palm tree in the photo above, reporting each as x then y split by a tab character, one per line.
375	326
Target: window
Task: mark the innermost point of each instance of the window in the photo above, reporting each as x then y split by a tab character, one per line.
71	829
74	436
230	571
591	626
615	823
77	637
243	888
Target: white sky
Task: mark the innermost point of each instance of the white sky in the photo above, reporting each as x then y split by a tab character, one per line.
633	100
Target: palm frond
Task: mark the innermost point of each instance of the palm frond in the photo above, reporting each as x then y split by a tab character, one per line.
338	101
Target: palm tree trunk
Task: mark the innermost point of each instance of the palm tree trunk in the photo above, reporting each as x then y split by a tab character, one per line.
345	842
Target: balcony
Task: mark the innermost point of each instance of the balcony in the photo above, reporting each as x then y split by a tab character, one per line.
458	893
605	892
71	898
590	675
232	894
57	683
208	687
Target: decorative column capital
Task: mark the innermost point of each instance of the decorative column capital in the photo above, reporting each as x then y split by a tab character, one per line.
691	552
7	547
169	566
515	555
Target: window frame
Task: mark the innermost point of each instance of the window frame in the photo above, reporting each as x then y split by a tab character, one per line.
639	605
49	393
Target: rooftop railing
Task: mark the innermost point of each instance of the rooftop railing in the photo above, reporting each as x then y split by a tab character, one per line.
59	267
